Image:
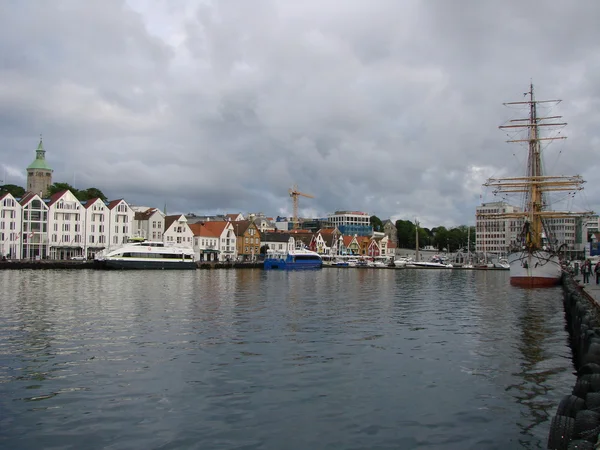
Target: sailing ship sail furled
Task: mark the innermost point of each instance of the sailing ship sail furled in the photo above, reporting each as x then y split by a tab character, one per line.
534	262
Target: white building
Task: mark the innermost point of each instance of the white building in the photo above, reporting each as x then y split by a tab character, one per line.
34	227
66	222
10	227
177	231
121	218
97	219
149	223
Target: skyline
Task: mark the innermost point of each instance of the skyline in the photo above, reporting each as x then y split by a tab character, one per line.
391	108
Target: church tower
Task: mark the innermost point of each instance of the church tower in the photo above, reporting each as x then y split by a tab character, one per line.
39	173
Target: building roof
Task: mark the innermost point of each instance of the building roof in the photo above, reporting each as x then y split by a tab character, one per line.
56	197
114	203
328	235
200	230
91	201
275	236
28	197
145	215
240	226
169	220
40	159
216	227
347	240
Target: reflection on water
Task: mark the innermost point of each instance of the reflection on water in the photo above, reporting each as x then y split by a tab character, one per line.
269	360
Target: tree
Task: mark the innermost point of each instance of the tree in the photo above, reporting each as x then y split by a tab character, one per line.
81	195
59	187
12	189
376	223
90	193
406	233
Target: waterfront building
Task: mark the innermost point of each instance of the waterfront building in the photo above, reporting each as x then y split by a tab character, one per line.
224	233
275	240
352	222
10	227
148	223
204	243
121	217
39	173
496	235
34	227
66	220
97	218
177	231
247	239
325	241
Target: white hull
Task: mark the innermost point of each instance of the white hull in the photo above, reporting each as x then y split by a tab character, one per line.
533	269
428	265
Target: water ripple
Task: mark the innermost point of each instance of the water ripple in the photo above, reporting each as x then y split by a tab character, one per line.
340	359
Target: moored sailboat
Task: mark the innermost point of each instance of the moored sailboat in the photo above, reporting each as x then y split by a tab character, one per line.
534	261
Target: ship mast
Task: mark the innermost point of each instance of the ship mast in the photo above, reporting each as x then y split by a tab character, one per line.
535	184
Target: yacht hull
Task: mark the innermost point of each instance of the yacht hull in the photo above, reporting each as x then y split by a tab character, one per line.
534	269
129	264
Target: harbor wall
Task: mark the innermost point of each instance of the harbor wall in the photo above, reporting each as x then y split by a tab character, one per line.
576	424
67	264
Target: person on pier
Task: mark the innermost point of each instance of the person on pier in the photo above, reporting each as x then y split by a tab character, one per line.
597	272
586	270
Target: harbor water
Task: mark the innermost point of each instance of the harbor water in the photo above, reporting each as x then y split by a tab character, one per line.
252	359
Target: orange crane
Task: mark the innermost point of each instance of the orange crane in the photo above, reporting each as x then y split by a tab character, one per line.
295	193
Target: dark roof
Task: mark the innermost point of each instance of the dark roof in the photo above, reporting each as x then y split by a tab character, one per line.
275	236
240	227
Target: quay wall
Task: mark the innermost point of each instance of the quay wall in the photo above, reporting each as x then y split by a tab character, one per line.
67	264
576	424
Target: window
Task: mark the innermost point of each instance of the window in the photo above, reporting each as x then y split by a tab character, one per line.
179	239
91	238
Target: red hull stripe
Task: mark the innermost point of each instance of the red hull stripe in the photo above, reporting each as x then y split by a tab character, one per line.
534	281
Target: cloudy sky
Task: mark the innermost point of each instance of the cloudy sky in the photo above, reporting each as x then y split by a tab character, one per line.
386	106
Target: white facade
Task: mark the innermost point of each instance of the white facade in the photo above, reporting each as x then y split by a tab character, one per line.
66	223
10	227
178	233
97	219
149	224
121	223
34	227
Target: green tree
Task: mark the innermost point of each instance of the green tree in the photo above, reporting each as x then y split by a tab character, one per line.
89	193
13	189
59	187
376	223
406	233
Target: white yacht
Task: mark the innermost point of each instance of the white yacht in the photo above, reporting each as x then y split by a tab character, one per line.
143	254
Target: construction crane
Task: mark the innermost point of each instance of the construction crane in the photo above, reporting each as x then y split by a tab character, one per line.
295	193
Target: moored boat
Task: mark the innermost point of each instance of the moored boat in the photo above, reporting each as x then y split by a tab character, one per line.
533	261
292	259
142	254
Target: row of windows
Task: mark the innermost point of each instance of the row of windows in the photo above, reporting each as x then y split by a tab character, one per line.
65	238
156	255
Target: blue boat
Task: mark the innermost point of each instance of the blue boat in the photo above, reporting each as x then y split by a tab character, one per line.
293	260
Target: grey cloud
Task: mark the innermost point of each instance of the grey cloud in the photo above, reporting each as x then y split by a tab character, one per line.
380	106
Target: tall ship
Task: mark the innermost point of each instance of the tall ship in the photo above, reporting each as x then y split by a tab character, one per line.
139	253
534	259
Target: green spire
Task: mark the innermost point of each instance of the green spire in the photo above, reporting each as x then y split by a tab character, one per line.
40	158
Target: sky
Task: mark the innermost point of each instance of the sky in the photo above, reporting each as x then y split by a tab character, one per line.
383	106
